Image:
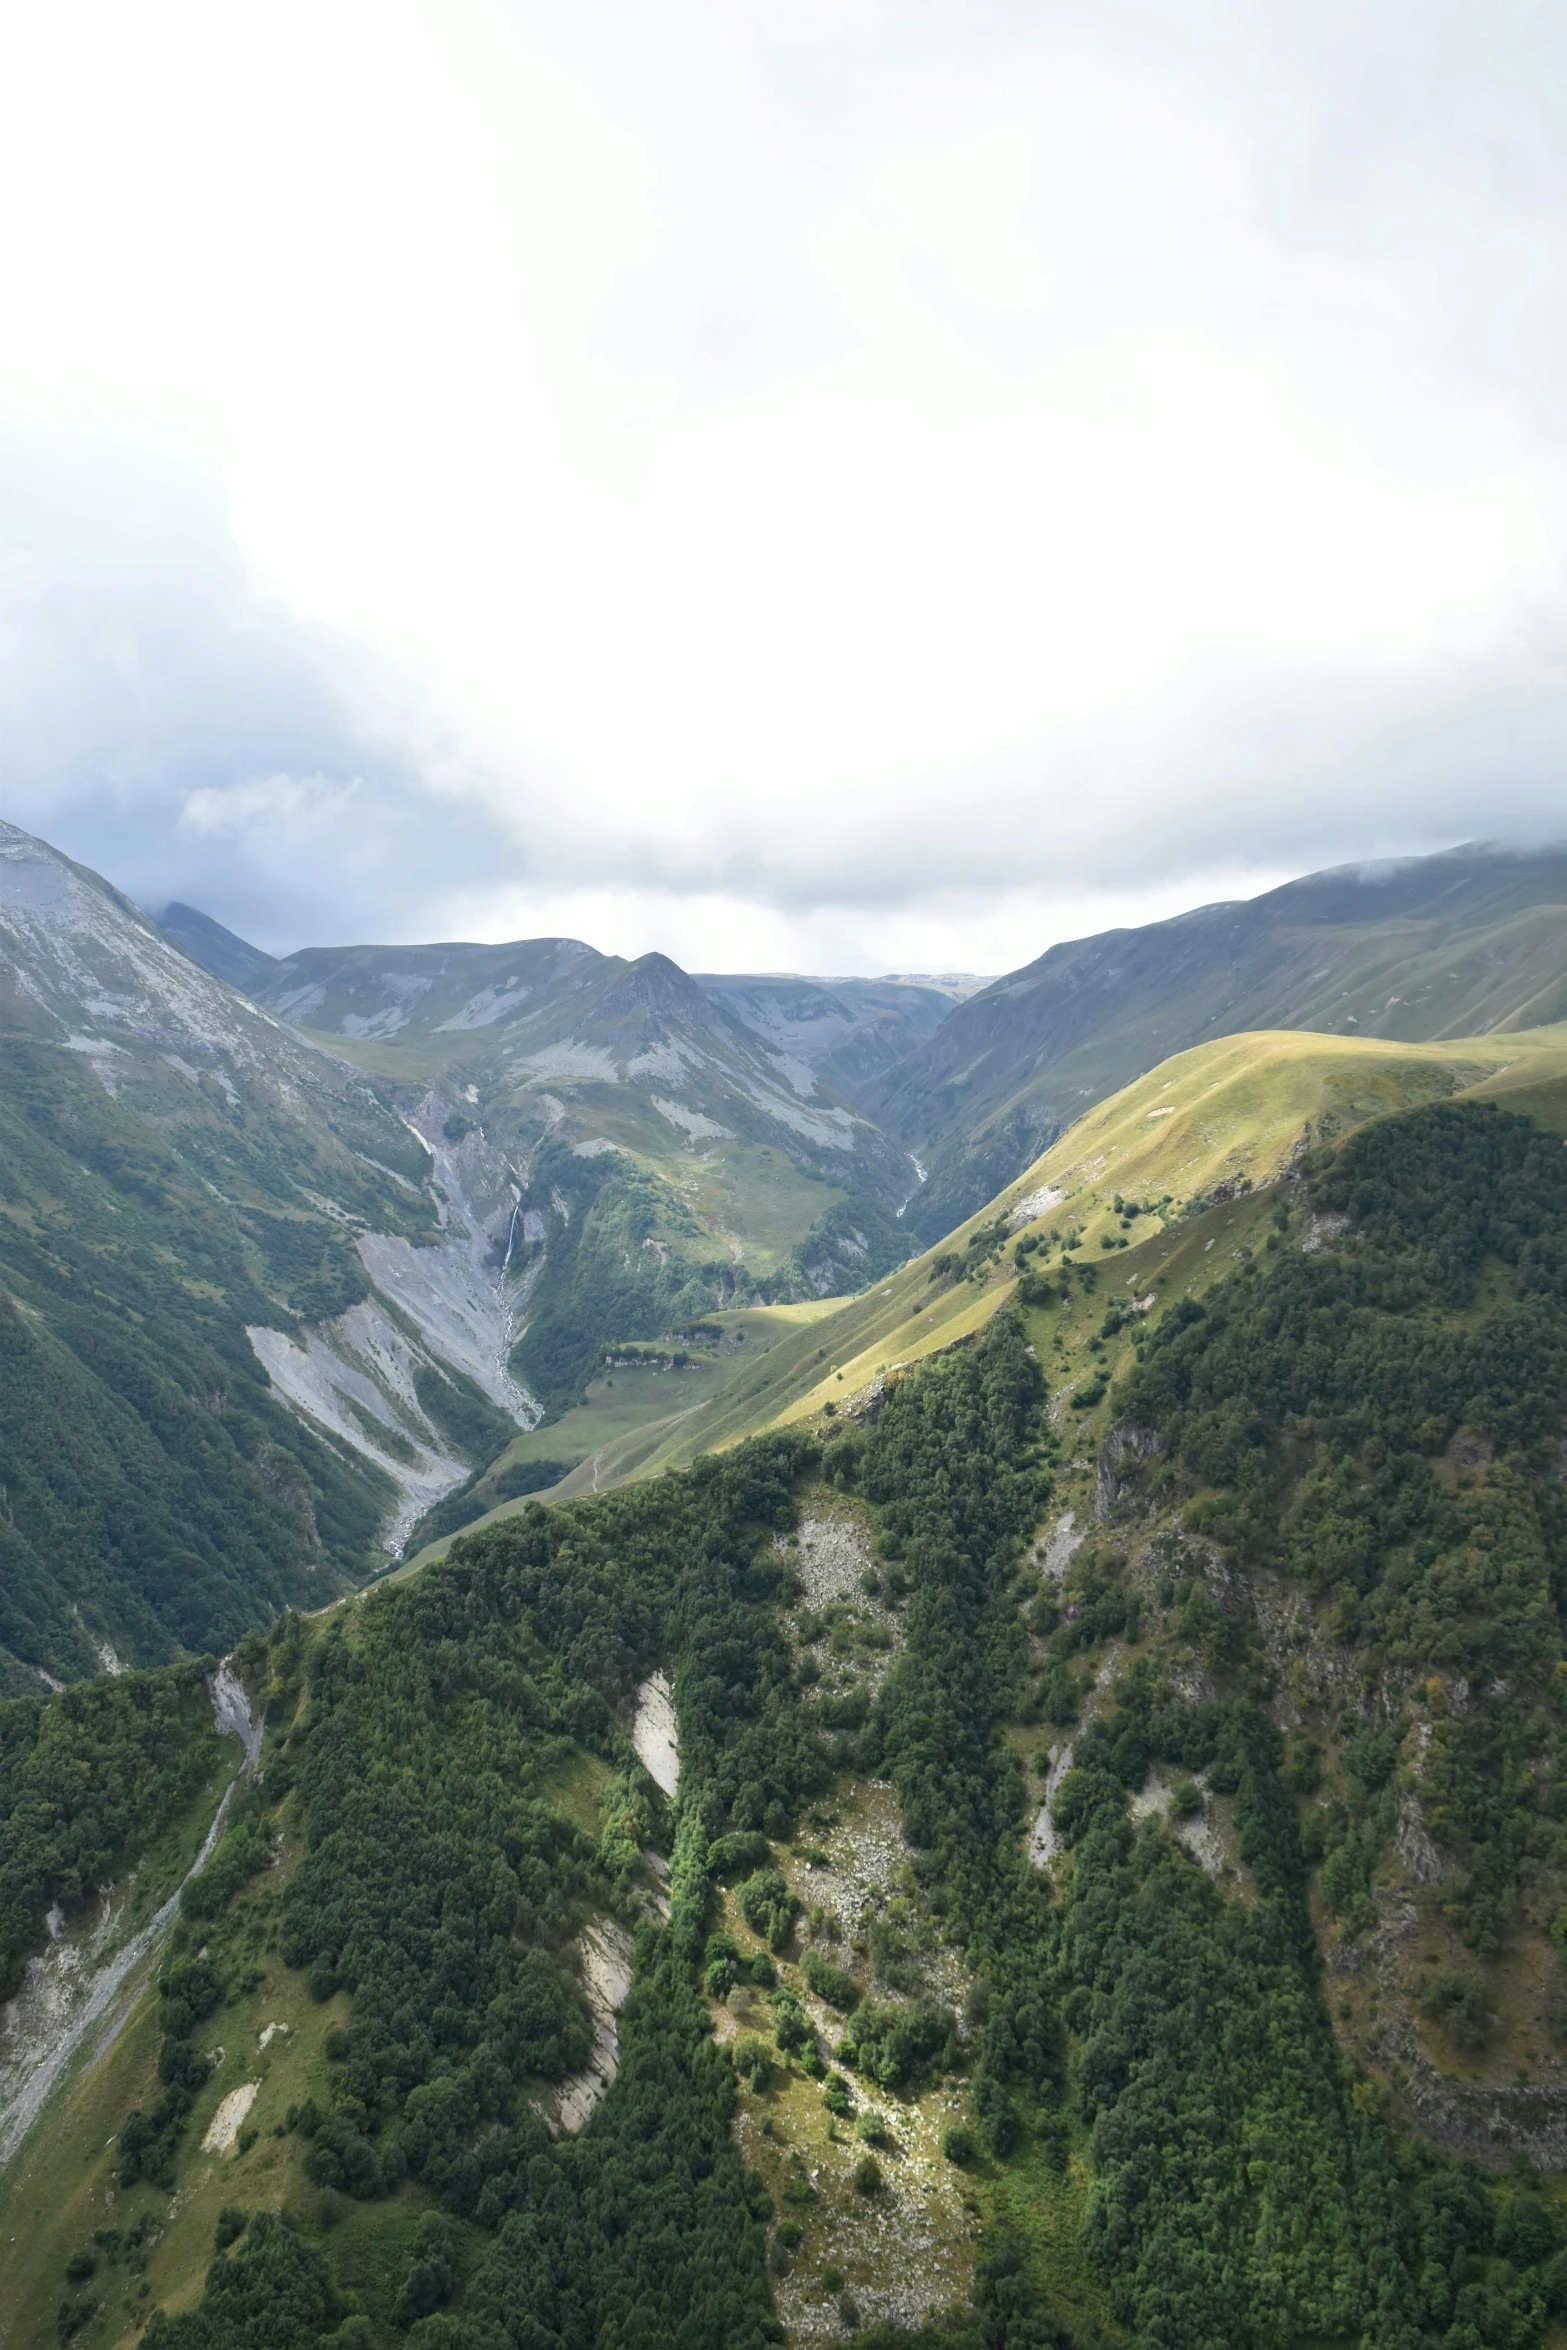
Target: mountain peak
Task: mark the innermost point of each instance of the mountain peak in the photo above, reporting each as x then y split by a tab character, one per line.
225	955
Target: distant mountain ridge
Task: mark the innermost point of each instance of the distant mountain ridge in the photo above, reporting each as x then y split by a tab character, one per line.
848	1030
972	1079
1462	943
851	1029
231	959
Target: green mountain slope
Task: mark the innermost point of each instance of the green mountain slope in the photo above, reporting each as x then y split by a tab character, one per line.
1114	1876
653	1159
1214	1124
1453	945
235	1339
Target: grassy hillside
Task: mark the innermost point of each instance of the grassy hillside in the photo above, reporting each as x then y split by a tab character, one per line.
633	1406
1221	1120
1448	946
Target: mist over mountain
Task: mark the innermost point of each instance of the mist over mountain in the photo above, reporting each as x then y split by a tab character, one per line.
217	950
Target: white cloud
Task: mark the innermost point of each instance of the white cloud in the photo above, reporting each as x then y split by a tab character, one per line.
860	485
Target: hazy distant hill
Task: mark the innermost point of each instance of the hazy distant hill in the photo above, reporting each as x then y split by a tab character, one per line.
843	1032
553	1019
851	1029
1452	945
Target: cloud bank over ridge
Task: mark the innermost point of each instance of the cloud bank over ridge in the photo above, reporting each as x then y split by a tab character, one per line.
820	486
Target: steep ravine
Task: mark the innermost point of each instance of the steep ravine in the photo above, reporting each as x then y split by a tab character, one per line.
455	1304
79	1992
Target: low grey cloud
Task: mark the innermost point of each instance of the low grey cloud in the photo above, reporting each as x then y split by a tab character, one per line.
168	724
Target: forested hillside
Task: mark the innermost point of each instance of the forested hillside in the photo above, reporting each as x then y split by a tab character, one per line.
1200	1986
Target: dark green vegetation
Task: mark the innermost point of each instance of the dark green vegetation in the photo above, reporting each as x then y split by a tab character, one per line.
956	1468
604	1280
156	1494
439	1889
96	1771
1247	2190
1454	945
173	1169
1371	1423
483	1491
858	1241
442	1892
1322	1403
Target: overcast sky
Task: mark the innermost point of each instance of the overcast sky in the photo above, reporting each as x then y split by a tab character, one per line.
796	483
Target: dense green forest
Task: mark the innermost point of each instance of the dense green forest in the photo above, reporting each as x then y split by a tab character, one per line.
1312	1404
1373	1419
443	1892
100	1768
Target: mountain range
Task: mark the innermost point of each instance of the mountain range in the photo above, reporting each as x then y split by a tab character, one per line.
410	1201
798	1760
974	1078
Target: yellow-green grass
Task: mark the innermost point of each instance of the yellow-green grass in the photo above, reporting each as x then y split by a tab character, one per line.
1237	1108
574	1788
62	2185
1231	1112
1043	2210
